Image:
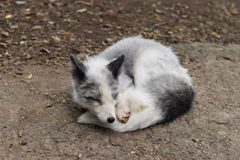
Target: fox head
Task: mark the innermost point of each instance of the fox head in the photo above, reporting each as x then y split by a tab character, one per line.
96	87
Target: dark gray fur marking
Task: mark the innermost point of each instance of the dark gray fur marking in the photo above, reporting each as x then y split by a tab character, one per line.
175	97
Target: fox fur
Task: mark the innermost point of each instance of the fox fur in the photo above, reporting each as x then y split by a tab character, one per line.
133	84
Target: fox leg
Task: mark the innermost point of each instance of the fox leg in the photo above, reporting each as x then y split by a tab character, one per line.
88	118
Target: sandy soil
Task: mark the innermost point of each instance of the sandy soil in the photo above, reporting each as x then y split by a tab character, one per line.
38	117
42	108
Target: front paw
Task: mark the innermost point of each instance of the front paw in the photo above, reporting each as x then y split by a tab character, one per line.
123	112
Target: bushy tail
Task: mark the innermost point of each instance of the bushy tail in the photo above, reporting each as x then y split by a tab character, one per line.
175	96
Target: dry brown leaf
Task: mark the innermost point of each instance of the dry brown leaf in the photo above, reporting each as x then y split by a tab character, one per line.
30	76
115	142
81	10
86	3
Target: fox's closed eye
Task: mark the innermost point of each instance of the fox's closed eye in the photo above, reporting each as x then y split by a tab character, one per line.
92	99
115	95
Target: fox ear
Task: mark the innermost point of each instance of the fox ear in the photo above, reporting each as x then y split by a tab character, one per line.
115	65
78	68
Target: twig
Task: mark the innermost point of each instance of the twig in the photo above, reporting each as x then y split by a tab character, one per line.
66	124
156	25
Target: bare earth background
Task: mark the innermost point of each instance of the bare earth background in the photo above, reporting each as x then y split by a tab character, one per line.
38	117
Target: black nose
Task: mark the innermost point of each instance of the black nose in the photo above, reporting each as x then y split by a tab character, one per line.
111	119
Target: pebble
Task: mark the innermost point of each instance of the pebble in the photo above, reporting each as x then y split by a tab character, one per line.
195	29
49	105
22	42
107	152
60	140
50	22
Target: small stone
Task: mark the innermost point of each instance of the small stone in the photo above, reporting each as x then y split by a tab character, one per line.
23	142
22	42
184	16
49	105
50	22
170	32
19	73
60	140
195	29
107	152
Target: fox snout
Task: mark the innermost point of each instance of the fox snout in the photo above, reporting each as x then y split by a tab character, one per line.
111	119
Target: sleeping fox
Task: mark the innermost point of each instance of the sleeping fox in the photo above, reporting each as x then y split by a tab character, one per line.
131	85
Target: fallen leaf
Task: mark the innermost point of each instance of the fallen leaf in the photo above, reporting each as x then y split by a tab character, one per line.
179	37
3	44
100	20
56	38
159	11
8	16
115	142
37	27
176	27
20	2
177	53
158	19
14	27
44	41
228	13
20	133
68	34
81	10
86	3
23	142
6	34
44	50
29	76
214	33
28	13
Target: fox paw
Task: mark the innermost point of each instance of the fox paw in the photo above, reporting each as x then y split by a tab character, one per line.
123	113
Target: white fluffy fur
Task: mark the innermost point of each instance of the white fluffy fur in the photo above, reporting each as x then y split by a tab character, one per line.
149	63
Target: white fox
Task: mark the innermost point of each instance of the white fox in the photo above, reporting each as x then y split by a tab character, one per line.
131	85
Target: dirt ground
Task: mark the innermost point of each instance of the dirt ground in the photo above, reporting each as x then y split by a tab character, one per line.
38	117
